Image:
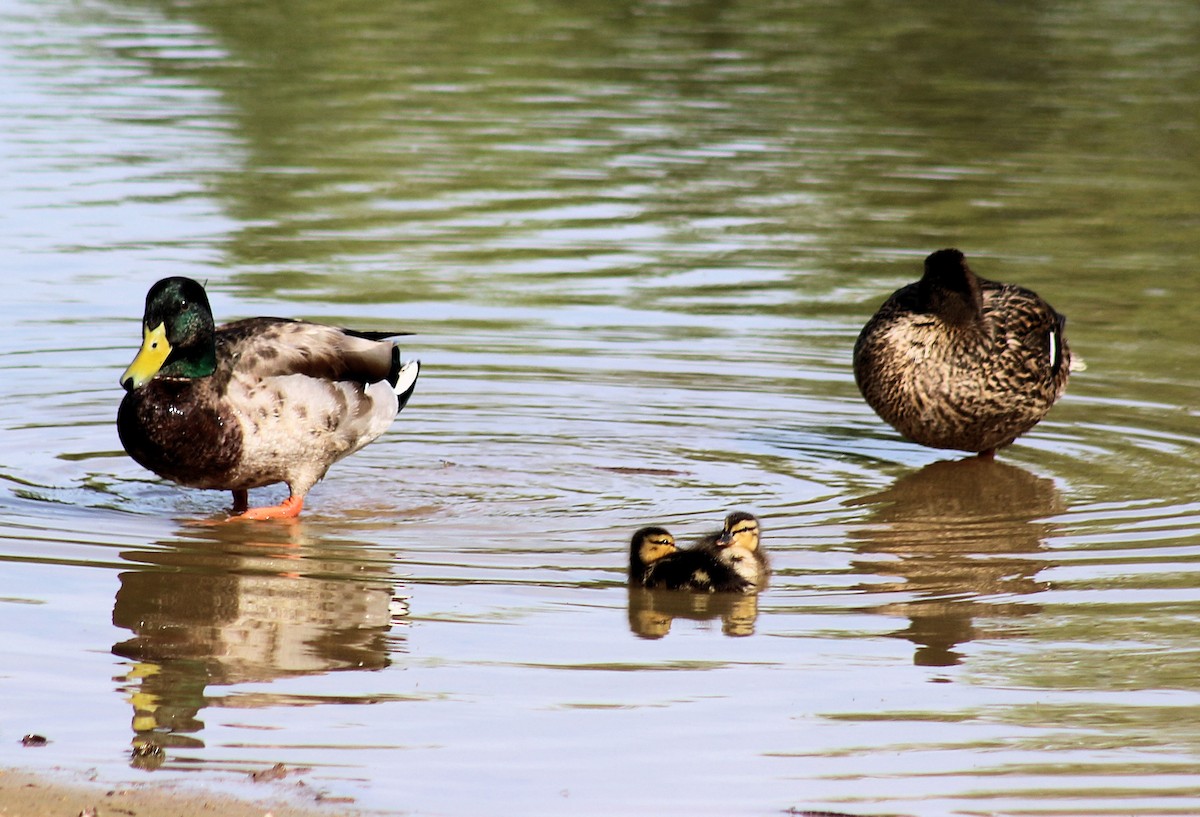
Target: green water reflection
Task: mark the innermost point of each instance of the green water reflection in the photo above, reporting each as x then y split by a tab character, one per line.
544	152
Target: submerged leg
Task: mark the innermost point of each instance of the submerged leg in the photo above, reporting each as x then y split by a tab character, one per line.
988	455
288	509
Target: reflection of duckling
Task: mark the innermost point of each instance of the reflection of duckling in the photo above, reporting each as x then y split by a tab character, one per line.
652	612
957	361
738	547
656	562
254	402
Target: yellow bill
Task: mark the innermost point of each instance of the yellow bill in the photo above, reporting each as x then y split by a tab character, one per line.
150	358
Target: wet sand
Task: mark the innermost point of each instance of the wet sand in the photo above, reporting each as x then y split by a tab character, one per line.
26	794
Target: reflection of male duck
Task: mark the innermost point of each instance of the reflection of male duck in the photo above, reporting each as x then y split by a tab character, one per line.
957	530
229	614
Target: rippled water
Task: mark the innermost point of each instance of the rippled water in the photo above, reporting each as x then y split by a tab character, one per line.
636	242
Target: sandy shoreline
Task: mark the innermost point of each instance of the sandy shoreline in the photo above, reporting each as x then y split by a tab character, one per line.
46	794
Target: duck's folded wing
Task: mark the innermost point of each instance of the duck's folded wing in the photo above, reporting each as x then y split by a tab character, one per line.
273	347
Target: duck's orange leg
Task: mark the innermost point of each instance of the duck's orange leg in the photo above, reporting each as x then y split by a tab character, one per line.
288	509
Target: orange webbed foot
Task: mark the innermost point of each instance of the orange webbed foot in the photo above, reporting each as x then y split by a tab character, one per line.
288	509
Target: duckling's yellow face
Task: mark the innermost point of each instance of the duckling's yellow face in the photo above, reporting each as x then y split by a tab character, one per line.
655	546
741	531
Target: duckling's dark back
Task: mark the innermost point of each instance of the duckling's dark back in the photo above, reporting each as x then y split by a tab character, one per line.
695	569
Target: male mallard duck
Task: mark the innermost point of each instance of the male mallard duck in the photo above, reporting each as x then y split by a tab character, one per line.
957	361
738	547
256	401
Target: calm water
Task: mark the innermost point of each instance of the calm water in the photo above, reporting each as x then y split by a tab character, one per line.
636	241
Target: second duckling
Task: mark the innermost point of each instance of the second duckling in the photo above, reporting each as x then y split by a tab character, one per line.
738	547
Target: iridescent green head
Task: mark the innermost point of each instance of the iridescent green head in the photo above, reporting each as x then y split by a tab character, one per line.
177	334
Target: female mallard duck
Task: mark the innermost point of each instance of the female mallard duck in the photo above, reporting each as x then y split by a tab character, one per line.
738	548
957	361
256	401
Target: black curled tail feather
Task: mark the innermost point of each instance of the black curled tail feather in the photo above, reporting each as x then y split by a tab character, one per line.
393	375
369	335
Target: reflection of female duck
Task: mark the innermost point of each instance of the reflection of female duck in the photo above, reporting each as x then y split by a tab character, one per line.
254	402
956	536
656	563
957	361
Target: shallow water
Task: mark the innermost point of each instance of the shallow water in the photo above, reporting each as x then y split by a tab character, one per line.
636	243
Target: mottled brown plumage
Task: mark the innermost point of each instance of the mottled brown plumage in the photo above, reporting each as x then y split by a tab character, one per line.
957	361
255	402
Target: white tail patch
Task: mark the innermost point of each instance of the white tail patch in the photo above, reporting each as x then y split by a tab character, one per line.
407	376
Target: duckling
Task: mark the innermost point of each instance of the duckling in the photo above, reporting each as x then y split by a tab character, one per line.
256	401
655	562
649	545
957	361
738	547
